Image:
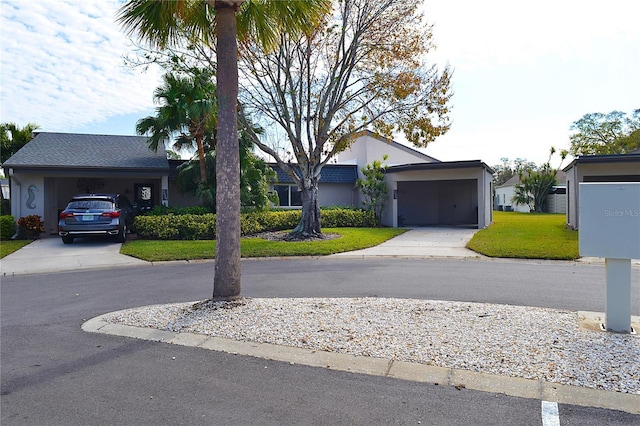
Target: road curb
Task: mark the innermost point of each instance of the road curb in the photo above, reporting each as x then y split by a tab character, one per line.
460	379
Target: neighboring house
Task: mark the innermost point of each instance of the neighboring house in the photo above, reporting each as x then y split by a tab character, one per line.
504	194
52	167
598	168
556	200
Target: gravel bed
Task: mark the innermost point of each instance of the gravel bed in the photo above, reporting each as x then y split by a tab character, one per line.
532	343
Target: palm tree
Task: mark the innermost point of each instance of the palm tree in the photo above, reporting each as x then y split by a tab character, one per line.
169	23
185	103
255	175
12	138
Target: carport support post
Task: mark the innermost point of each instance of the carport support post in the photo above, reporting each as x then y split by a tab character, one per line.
618	304
165	191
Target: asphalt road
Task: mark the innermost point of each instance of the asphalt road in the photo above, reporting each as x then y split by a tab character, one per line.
53	373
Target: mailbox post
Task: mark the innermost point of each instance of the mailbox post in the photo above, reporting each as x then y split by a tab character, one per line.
610	228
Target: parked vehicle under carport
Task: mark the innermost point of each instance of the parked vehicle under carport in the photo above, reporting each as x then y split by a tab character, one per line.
96	214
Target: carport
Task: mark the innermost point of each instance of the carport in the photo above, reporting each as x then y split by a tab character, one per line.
439	194
53	167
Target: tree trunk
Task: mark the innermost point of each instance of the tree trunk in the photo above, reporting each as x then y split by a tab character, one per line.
226	283
203	167
309	225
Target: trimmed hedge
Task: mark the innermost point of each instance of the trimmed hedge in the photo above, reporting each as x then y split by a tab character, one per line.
203	227
162	210
176	227
348	218
7	227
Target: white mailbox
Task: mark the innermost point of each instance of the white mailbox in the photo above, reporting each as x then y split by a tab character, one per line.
610	228
610	220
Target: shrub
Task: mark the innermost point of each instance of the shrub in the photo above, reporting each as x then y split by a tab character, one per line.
348	218
249	224
176	227
7	227
179	211
278	220
203	227
373	187
30	227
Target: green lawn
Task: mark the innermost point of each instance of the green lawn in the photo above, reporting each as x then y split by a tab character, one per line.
527	235
512	235
350	239
9	246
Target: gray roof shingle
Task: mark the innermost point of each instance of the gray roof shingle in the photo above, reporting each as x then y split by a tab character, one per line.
331	173
70	150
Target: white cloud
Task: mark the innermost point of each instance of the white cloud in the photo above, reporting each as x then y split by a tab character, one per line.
481	34
62	65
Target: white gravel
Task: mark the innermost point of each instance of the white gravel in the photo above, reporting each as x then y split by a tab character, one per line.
532	343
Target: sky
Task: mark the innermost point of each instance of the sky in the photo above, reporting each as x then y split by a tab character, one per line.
522	71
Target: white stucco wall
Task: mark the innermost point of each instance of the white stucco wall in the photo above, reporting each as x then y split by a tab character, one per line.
337	194
366	149
485	192
27	196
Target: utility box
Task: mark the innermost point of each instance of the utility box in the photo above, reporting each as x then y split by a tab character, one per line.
610	228
610	220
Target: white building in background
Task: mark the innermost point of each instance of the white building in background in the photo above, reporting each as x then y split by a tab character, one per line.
556	199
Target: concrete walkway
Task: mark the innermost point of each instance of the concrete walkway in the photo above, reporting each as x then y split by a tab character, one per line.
49	254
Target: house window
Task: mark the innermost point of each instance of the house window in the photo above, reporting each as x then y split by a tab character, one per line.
289	195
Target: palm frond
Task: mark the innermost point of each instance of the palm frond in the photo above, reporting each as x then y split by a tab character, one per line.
265	21
163	23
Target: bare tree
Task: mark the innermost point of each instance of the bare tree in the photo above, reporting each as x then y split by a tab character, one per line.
364	68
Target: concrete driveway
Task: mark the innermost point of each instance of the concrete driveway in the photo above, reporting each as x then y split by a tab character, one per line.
49	254
422	243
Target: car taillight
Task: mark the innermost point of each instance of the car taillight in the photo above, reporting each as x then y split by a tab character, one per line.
65	215
111	214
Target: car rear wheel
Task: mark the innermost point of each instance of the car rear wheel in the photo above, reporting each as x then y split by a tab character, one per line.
67	239
122	235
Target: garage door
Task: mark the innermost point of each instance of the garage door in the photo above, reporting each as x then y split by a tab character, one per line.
441	202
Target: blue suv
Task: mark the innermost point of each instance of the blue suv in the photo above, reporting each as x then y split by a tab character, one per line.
96	214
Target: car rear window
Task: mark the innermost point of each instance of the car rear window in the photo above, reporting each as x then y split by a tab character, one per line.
91	204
